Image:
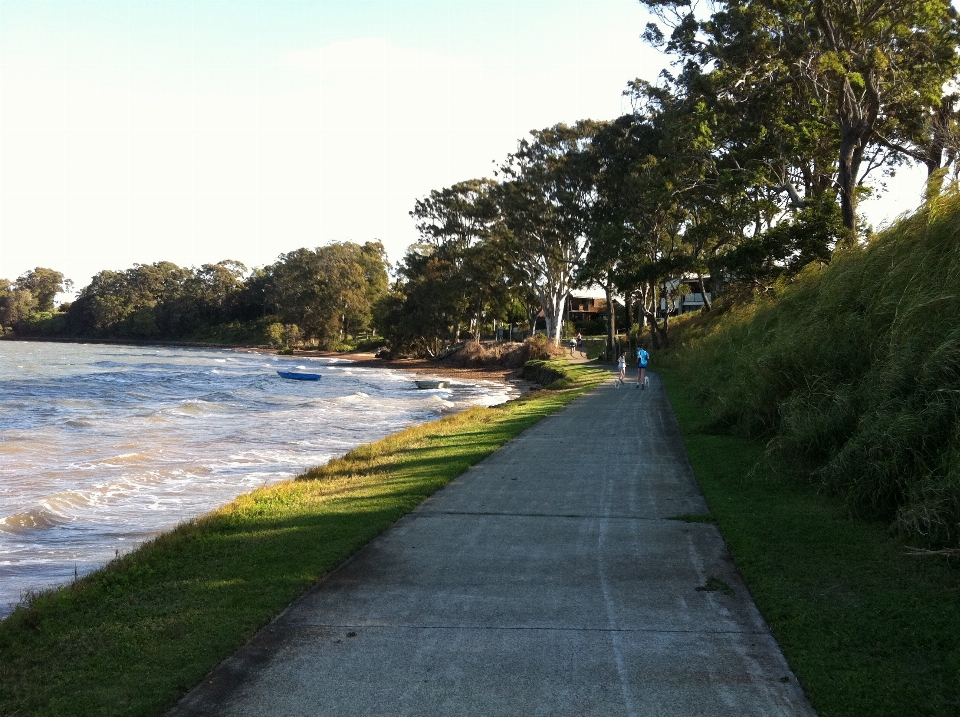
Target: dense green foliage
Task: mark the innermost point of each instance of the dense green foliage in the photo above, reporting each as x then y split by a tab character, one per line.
323	295
869	629
458	279
329	292
131	638
32	293
853	373
504	251
820	93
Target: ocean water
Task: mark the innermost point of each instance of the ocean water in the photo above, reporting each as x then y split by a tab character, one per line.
103	447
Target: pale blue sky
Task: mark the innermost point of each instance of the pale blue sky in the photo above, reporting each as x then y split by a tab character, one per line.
196	131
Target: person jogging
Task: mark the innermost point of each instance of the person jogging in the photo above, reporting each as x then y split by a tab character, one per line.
622	367
643	358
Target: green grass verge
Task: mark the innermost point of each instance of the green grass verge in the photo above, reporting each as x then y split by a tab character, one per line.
131	638
868	628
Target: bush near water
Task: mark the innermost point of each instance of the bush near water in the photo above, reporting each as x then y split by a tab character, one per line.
852	373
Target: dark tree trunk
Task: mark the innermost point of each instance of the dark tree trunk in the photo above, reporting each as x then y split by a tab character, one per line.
857	121
611	320
532	314
659	335
707	304
649	307
847	179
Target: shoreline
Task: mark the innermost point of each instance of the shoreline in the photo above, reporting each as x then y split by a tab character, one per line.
137	634
501	374
365	360
497	384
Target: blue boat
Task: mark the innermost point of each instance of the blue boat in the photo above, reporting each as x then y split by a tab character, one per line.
299	376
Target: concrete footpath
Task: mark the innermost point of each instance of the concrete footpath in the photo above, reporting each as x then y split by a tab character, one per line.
547	580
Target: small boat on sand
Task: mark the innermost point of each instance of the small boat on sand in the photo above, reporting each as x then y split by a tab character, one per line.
297	376
431	383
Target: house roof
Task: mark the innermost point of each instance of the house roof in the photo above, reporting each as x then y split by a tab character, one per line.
594	292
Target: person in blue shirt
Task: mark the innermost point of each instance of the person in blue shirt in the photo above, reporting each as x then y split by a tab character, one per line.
643	358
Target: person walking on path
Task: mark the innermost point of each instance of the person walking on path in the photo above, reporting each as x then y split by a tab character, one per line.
622	367
643	358
579	343
573	345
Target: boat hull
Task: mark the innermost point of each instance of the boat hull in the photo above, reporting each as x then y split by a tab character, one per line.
297	376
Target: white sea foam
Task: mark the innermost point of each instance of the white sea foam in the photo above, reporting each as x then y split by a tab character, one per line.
102	447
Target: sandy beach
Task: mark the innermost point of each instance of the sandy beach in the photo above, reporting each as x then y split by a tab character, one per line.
437	368
366	360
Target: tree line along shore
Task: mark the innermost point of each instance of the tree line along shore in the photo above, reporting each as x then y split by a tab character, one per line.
818	386
743	164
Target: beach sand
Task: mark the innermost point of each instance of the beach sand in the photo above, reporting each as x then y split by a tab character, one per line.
423	366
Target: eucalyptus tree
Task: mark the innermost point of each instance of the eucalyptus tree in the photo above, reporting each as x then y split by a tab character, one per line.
669	201
209	294
723	176
363	278
375	266
423	305
457	227
144	301
328	292
617	229
15	304
858	76
932	138
456	217
494	285
44	285
625	225
102	304
546	199
657	192
165	286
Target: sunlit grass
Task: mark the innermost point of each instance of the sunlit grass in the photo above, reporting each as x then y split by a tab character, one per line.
131	638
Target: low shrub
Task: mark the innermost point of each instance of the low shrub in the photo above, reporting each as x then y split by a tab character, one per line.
507	355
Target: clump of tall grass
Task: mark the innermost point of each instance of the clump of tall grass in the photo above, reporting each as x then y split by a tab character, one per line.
852	372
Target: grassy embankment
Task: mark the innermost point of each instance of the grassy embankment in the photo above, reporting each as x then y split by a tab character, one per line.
134	636
824	427
870	630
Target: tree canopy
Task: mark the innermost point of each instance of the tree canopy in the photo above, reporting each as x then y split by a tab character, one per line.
324	295
741	165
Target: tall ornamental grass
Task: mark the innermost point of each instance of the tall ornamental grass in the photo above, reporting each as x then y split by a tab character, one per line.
853	374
